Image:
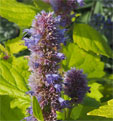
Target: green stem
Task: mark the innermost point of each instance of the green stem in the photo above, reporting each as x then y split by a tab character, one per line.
68	114
65	113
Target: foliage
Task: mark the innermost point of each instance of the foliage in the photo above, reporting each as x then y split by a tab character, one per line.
95	92
6	112
90	40
104	111
81	59
17	12
37	110
15	45
14	84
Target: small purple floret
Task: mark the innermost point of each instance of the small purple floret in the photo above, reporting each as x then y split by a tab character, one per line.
58	87
51	78
64	103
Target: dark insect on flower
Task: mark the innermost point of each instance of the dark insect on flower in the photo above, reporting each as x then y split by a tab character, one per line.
75	85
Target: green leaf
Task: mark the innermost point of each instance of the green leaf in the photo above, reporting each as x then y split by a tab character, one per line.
104	111
84	18
37	110
107	87
6	113
41	5
90	102
15	45
13	83
61	115
3	49
22	64
98	7
110	76
17	12
89	62
90	40
20	103
95	93
80	112
75	113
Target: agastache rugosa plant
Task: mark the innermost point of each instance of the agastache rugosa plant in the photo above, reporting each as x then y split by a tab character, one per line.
45	80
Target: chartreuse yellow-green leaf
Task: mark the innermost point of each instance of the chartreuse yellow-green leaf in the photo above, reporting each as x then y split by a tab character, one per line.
89	39
104	111
95	92
37	112
3	49
17	12
7	113
41	5
77	57
14	84
15	45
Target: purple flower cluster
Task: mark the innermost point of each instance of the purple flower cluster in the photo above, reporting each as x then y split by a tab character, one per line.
64	8
75	85
44	45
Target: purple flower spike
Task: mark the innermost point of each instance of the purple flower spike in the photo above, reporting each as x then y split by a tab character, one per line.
75	85
43	41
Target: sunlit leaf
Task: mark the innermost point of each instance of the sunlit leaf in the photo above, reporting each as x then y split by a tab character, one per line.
22	65
17	12
3	51
90	40
15	45
104	111
13	83
95	92
78	58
